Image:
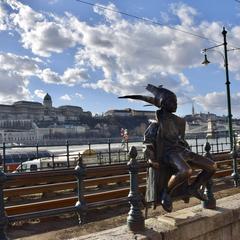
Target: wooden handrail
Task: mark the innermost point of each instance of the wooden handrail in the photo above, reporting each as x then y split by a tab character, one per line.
13	192
48	183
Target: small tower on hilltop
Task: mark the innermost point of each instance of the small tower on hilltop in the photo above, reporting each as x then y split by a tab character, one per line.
193	110
211	128
47	101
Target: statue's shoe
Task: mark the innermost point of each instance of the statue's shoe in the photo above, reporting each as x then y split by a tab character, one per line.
166	202
197	193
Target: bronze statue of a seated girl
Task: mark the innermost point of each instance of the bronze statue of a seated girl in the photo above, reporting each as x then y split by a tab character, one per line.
170	158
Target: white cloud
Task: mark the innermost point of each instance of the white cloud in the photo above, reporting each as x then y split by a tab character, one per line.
165	17
73	76
3	18
79	95
70	77
39	32
183	79
217	102
14	77
46	38
185	13
14	87
129	54
40	93
66	97
111	16
24	65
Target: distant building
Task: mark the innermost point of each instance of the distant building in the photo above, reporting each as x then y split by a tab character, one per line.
26	121
128	112
211	128
36	111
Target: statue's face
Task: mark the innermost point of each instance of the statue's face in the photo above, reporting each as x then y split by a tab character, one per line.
171	103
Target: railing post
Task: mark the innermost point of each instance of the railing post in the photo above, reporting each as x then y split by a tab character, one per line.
127	145
80	205
119	156
196	143
67	146
235	174
4	157
210	203
100	158
109	151
53	163
135	220
3	217
37	153
217	143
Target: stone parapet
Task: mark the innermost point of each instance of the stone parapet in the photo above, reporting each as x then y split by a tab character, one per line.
189	223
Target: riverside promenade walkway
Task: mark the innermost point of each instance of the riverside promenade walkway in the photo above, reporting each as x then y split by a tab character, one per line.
190	223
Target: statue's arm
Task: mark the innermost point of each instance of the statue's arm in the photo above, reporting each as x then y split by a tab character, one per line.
182	133
149	143
150	156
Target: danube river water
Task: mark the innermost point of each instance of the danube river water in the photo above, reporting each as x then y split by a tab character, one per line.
99	153
219	144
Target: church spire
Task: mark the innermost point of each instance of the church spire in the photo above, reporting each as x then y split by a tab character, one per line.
193	110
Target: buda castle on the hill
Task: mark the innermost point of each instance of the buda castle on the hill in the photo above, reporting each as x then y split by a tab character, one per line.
35	111
26	121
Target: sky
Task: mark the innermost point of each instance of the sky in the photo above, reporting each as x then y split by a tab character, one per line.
89	54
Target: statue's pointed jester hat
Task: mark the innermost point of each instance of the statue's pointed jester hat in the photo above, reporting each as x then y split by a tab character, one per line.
160	94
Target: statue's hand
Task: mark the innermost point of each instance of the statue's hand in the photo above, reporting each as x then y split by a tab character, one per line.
153	164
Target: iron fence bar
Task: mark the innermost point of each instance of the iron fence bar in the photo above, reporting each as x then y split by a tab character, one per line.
3	217
217	144
89	147
4	157
119	156
202	146
53	163
67	146
37	149
196	142
109	151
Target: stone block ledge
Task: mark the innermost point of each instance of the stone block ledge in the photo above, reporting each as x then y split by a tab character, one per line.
189	223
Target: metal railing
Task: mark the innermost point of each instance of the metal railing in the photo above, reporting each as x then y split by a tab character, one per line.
65	156
95	153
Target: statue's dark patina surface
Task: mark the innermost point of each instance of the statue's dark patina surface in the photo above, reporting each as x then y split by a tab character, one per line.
170	158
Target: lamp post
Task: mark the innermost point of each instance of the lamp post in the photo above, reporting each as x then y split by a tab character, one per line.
230	128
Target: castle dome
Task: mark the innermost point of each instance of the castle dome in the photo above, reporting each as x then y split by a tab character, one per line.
47	97
47	101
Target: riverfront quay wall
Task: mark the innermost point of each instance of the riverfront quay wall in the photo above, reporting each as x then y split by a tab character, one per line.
188	224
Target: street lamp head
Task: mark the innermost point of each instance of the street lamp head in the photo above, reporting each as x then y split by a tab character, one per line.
205	61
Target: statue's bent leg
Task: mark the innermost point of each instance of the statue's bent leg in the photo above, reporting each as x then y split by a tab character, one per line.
207	165
182	171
